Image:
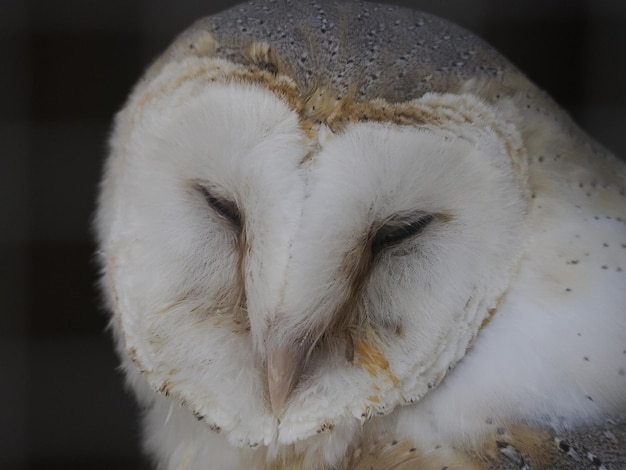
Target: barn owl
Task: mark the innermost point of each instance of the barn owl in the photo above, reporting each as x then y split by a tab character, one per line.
352	236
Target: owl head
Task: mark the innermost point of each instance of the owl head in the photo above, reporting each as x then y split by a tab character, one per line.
282	268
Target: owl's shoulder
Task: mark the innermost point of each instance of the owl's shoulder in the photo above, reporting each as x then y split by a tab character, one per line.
595	446
517	446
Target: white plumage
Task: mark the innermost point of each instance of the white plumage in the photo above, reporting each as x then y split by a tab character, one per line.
300	240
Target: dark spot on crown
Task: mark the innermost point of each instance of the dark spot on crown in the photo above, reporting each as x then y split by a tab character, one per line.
564	446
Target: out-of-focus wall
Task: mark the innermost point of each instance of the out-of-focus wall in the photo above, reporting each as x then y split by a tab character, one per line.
65	68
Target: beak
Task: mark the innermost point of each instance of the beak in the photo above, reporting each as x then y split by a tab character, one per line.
284	367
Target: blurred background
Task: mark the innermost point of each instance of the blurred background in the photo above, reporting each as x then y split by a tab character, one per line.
65	68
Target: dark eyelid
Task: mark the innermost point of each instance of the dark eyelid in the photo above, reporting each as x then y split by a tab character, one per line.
223	207
395	232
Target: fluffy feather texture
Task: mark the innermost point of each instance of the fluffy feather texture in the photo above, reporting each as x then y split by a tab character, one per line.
293	271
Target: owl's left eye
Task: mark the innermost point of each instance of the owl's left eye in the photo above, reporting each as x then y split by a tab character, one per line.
396	232
223	207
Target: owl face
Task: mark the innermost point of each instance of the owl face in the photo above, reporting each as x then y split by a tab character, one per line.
281	275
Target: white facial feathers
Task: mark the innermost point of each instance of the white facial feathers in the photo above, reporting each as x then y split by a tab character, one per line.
314	279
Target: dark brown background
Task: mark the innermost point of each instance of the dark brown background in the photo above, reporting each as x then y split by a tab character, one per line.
65	68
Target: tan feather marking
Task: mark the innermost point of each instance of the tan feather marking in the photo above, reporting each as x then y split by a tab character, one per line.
406	455
307	157
368	349
322	103
262	55
381	111
532	444
492	311
517	443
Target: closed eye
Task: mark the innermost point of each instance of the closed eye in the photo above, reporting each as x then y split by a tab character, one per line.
395	232
223	207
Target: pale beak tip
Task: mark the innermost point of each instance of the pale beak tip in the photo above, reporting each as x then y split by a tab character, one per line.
282	373
277	404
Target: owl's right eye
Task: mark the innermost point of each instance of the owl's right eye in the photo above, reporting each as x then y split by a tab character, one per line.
223	207
396	232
